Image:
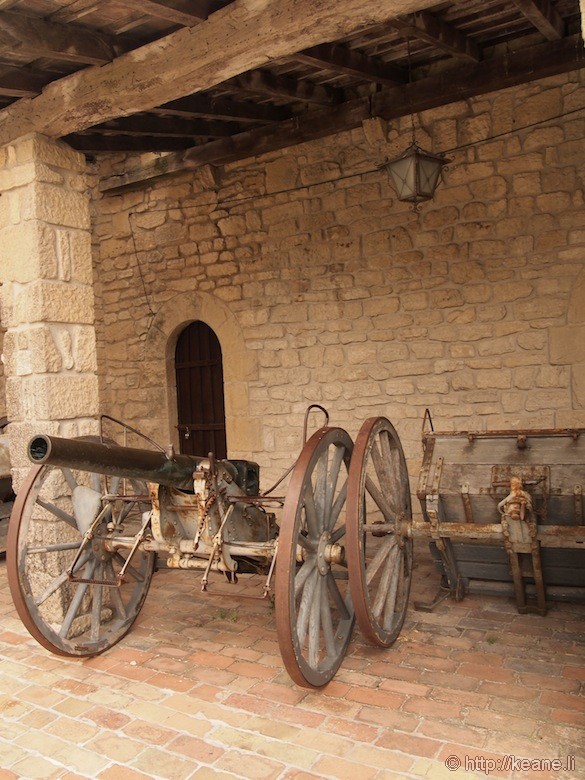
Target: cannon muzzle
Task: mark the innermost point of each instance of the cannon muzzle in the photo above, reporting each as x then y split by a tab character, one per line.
115	461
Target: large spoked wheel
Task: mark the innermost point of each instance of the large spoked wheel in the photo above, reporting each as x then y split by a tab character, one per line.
75	591
379	521
314	615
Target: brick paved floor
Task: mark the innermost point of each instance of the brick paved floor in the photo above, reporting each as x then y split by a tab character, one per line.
197	690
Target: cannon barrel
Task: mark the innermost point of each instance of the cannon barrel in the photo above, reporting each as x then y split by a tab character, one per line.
113	460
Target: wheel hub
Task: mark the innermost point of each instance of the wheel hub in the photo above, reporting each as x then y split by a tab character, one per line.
328	554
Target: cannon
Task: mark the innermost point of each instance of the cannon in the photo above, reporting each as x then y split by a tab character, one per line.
94	519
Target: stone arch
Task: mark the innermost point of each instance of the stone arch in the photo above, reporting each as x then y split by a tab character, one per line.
240	365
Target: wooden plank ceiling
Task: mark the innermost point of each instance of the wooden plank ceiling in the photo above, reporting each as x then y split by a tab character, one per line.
398	63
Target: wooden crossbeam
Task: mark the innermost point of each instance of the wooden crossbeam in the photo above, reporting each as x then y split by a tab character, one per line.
205	107
185	12
343	60
94	143
429	28
18	82
263	83
544	16
37	38
159	126
76	10
467	81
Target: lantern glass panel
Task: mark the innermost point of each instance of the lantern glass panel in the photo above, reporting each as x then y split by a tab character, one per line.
403	172
429	171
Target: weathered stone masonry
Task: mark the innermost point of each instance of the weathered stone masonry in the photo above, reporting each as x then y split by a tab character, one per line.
337	293
47	297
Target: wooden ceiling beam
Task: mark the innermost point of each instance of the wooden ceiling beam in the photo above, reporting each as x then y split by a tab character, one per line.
37	38
434	31
243	36
266	84
94	143
160	127
544	16
223	109
75	10
467	81
184	12
343	60
18	82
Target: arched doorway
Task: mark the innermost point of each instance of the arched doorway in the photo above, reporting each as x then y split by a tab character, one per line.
200	394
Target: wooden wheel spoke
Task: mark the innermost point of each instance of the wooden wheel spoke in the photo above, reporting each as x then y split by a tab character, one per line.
311	514
338	534
382	460
337	506
330	486
384	584
302	574
59	581
53	548
113	485
130	569
96	606
58	512
307	598
380	500
338	599
310	545
115	594
69	478
320	488
315	624
387	543
126	509
76	602
390	601
327	624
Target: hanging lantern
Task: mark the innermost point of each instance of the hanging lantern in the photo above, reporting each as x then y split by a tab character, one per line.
416	174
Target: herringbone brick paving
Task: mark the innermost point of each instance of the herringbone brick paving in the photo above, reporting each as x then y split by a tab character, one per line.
197	690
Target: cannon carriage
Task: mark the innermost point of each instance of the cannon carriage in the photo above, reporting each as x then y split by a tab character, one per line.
93	521
504	513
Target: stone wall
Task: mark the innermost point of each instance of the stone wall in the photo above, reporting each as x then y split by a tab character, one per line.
46	296
2	380
324	288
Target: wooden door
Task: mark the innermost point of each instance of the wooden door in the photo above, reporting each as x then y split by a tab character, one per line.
200	398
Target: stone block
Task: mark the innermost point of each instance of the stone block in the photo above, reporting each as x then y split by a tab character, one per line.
567	345
273	215
80	256
17	176
48	301
53	397
545	400
282	174
40	149
56	205
28	252
578	386
244	434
